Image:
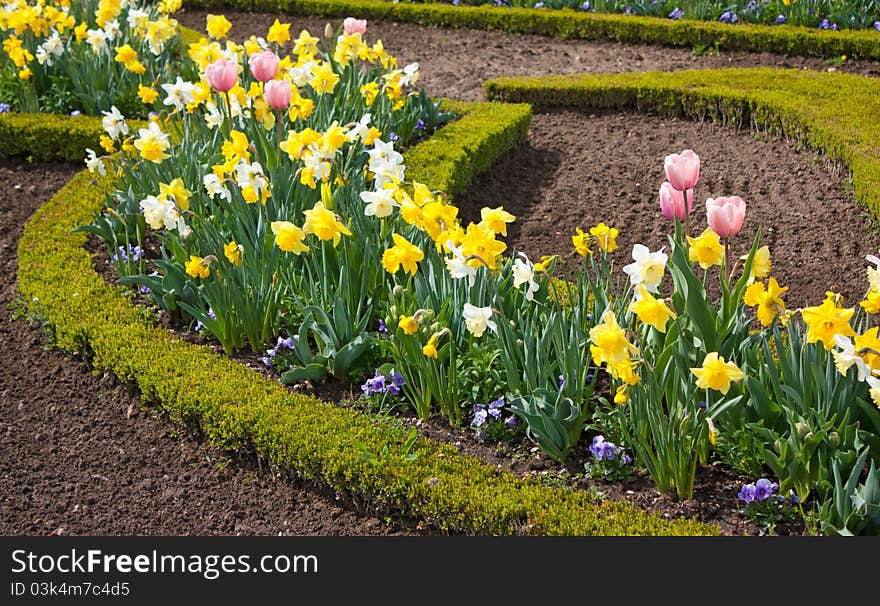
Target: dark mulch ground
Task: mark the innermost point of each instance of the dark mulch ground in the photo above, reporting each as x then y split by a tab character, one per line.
78	455
577	170
455	63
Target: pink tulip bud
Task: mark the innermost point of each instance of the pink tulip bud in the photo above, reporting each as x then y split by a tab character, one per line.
277	93
726	215
222	74
672	202
264	65
682	170
354	26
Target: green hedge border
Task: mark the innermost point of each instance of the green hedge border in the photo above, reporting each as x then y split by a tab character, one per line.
838	114
238	409
788	40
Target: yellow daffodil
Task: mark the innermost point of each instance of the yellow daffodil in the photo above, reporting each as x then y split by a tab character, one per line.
545	263
324	79
606	237
279	33
581	242
197	267
147	95
623	370
621	395
609	342
826	320
233	252
496	219
408	324
289	237
871	304
867	346
760	264
176	190
713	433
324	224
369	91
706	249
717	374
479	246
306	45
768	301
649	310
402	254
218	26
430	348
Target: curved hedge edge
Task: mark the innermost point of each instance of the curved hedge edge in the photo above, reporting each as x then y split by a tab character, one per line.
237	409
46	137
787	40
838	114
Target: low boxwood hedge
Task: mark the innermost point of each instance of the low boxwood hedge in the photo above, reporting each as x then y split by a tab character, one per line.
789	40
836	113
239	410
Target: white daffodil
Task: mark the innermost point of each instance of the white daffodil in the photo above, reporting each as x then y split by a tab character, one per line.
524	273
114	123
160	212
179	94
457	264
213	117
383	154
361	129
215	187
97	39
410	74
138	19
250	175
112	30
648	267
94	163
847	357
477	319
302	75
379	203
183	229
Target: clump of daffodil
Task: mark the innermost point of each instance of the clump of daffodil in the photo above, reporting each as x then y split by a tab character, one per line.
403	254
717	374
767	300
606	237
826	320
650	310
706	249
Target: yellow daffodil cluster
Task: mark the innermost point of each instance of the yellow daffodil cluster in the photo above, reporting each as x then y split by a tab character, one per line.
605	236
610	346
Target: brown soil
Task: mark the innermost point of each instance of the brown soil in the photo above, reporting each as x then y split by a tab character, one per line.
79	455
578	170
454	63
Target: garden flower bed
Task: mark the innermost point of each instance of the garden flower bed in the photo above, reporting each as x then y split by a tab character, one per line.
345	256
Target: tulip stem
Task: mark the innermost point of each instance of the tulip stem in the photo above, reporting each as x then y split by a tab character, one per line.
228	115
728	266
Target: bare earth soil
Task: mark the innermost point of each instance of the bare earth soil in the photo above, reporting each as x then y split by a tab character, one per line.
79	456
577	170
454	63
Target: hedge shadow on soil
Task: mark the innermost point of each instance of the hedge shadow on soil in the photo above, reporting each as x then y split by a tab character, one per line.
837	114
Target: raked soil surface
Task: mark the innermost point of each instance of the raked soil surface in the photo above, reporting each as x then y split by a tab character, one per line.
454	63
78	455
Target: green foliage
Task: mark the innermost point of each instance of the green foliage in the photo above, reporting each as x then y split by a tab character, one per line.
554	420
237	409
855	508
789	40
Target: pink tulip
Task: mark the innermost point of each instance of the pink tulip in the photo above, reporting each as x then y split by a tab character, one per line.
354	26
726	215
222	74
264	65
682	170
672	202
277	93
